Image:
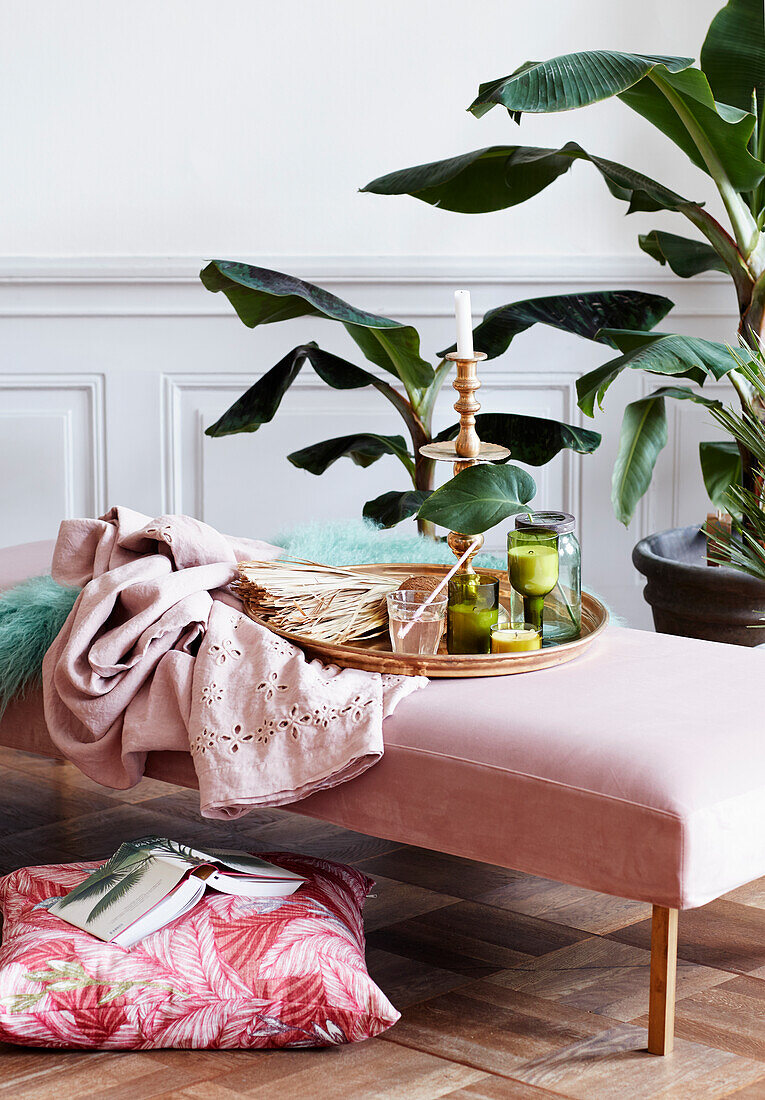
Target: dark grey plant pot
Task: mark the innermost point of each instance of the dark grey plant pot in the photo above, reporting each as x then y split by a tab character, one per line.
690	598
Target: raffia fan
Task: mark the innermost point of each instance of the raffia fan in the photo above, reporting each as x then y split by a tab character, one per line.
317	601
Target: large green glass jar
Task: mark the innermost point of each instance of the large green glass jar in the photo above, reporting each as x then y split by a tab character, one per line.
563	605
472	610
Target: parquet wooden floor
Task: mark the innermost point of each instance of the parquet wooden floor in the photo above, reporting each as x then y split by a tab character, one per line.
508	985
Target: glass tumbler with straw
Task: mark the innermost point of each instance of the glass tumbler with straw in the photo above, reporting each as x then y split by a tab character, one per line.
416	622
532	567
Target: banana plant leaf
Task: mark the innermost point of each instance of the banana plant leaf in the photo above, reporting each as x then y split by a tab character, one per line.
643	434
712	358
685	257
570	81
396	351
733	54
721	469
588	315
644	430
391	508
499	177
262	297
478	498
502	176
648	84
725	131
259	404
685	393
658	353
531	439
363	448
475	183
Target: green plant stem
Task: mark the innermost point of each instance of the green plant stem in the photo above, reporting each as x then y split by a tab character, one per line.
750	246
726	248
751	462
422	410
396	399
420	469
744	226
759	150
751	197
417	413
752	318
426	403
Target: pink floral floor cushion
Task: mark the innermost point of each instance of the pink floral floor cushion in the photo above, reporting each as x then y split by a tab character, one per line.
234	972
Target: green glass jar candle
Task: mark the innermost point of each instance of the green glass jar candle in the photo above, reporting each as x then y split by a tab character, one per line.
472	610
532	568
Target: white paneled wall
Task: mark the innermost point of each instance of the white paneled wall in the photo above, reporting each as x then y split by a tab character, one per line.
243	129
51	449
111	370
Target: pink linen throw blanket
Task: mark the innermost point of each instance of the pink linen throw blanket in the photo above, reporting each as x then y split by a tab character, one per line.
156	655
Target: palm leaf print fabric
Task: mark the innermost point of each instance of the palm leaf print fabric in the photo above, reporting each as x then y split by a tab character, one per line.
233	973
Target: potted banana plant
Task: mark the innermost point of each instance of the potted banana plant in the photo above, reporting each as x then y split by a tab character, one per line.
715	113
411	384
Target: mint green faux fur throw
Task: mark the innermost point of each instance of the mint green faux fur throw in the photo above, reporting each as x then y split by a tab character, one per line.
353	542
32	613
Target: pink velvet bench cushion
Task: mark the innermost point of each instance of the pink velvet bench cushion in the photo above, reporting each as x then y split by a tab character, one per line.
637	770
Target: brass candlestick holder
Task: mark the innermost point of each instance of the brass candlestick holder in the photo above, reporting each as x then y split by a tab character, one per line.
467	449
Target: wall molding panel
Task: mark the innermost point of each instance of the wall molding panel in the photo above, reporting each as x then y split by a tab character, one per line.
156	287
52	442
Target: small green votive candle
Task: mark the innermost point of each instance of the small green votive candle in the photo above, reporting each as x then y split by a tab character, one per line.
472	610
515	638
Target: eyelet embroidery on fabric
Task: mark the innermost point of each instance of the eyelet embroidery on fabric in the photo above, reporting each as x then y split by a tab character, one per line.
203	741
391	681
212	693
165	533
281	646
266	731
221	653
270	685
355	709
234	741
292	724
322	715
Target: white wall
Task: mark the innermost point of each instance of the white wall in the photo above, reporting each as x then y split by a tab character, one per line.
185	127
140	139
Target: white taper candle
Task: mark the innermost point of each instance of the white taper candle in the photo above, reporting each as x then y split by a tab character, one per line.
464	324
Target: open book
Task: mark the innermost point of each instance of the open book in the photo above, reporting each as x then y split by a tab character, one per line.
150	882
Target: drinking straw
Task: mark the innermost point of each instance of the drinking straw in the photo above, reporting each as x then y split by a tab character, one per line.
475	545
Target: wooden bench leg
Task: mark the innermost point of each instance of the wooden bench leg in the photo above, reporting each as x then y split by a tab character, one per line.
661	1004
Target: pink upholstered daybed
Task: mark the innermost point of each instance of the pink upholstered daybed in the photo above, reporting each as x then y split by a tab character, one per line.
620	772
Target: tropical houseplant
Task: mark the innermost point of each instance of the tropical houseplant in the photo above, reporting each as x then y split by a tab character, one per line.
411	384
715	113
746	549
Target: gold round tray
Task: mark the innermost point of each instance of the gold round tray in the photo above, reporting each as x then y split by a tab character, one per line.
375	655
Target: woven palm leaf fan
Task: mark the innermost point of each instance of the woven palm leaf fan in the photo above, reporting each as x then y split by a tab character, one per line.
318	601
